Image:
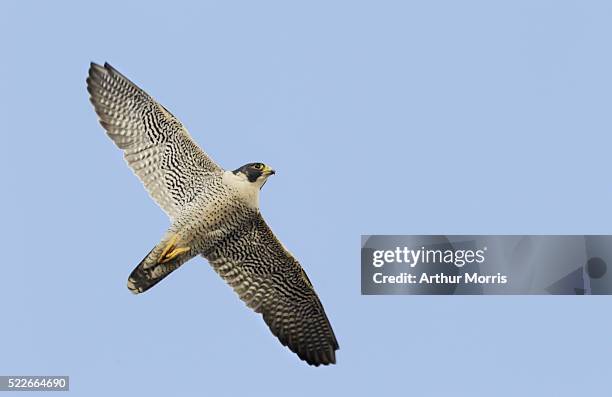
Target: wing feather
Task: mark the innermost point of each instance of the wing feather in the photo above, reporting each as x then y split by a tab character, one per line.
272	282
156	146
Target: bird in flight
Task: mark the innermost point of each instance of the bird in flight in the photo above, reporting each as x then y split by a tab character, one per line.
214	213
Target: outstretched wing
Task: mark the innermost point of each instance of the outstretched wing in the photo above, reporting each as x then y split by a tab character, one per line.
272	282
155	144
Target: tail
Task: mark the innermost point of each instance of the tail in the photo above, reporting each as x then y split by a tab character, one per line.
160	262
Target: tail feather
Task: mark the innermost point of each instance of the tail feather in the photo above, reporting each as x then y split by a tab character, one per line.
153	269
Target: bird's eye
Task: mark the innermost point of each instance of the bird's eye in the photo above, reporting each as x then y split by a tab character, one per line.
258	166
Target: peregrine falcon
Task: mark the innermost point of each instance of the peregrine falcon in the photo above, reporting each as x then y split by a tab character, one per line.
214	213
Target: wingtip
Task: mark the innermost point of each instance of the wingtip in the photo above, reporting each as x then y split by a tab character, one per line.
104	69
94	74
94	66
319	363
110	68
319	358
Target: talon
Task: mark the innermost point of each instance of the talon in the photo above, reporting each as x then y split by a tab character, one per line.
174	254
169	246
171	251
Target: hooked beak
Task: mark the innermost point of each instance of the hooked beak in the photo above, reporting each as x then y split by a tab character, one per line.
268	171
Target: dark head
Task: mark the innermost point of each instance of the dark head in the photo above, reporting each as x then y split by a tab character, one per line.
255	173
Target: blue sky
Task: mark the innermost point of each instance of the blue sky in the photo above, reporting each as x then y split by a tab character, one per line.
444	117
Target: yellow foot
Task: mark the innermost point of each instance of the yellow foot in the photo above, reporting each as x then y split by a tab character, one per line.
171	251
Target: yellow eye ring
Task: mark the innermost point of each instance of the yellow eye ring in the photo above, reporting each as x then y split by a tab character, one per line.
258	166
